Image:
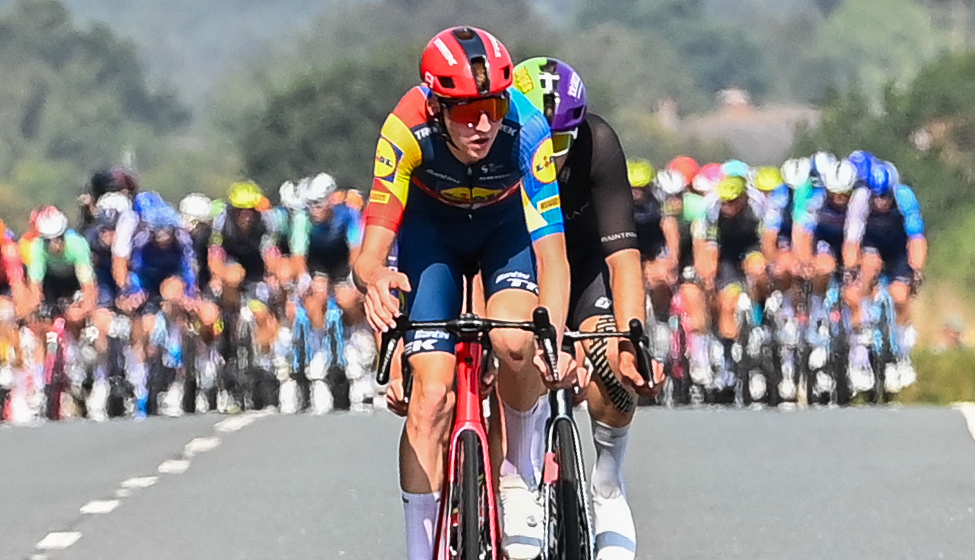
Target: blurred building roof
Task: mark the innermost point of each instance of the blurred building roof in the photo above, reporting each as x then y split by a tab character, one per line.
758	134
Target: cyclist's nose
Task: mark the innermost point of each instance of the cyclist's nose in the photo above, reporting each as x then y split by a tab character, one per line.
483	124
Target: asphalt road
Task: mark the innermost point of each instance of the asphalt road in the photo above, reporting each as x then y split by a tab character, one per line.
859	484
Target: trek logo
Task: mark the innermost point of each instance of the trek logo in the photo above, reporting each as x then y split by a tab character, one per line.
495	44
519	280
442	47
603	302
425	345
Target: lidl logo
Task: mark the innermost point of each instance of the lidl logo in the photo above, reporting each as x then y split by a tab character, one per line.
543	168
387	157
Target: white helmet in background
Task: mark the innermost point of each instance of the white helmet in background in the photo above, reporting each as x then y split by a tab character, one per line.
671	181
113	202
320	187
839	177
795	171
290	197
51	223
821	161
195	208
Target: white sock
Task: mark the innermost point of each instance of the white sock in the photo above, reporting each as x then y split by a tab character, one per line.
525	432
615	531
420	512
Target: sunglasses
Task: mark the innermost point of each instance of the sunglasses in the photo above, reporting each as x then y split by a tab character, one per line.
469	111
562	141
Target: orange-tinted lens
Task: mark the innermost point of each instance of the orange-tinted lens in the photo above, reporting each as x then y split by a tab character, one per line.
469	112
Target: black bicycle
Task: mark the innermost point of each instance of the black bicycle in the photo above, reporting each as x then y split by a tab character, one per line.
568	513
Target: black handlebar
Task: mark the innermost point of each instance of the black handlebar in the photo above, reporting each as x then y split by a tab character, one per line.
471	327
635	335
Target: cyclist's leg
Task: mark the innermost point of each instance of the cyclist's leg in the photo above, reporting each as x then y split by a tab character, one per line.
436	280
611	408
510	288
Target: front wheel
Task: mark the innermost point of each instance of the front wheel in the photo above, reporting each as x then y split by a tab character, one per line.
570	510
468	511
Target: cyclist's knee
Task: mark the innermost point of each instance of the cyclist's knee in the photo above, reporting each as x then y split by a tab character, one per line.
824	265
512	347
102	319
728	300
432	398
901	294
235	276
755	266
870	267
172	288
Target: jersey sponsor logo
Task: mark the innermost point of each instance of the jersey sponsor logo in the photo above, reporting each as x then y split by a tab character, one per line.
575	84
379	197
523	80
464	194
426	345
519	280
442	47
443	335
543	168
603	302
618	236
549	203
509	130
422	132
387	157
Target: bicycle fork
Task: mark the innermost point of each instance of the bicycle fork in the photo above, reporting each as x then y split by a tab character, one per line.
469	418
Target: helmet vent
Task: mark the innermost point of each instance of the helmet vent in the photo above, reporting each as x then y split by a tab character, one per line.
446	81
481	79
465	34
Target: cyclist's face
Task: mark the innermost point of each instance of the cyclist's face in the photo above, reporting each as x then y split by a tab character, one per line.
840	199
733	207
883	203
245	218
55	246
319	209
639	195
473	134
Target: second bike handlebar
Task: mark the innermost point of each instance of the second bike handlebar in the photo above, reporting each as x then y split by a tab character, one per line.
469	327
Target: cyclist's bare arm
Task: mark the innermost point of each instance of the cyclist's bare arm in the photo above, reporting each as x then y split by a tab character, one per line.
375	279
553	279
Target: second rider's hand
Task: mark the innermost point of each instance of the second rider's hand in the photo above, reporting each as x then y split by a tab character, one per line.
568	374
631	373
382	307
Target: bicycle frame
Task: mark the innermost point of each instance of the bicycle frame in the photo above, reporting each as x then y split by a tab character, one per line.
54	367
468	416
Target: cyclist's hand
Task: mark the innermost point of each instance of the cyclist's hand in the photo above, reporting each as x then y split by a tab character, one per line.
395	397
382	307
630	373
568	371
74	314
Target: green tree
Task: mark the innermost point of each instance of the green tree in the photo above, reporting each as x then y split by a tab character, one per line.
74	98
328	120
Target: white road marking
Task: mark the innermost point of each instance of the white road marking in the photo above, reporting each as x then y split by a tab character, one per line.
968	411
123	493
99	507
174	466
139	482
200	445
58	541
234	423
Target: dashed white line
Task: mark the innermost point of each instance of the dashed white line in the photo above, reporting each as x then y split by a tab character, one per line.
58	541
174	466
139	482
234	423
200	445
99	507
968	411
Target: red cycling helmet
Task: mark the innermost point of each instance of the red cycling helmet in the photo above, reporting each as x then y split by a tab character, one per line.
687	167
448	61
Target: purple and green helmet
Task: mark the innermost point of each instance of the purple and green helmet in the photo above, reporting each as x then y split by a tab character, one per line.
555	89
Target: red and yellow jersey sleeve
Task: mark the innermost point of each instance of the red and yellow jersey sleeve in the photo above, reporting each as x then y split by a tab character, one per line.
398	154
